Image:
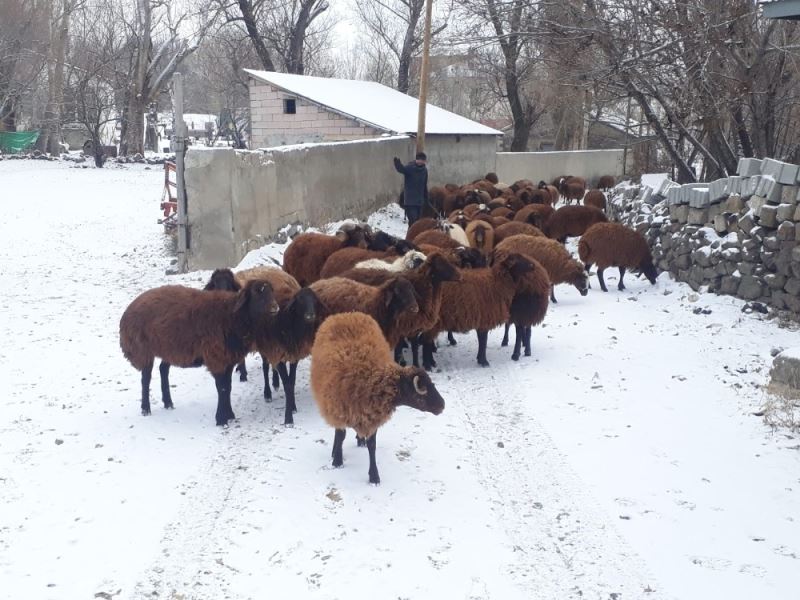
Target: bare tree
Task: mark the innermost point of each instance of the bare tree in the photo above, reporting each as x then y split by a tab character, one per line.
281	32
160	40
23	35
92	73
399	25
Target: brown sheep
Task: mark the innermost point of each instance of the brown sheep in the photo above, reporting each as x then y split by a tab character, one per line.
515	228
529	305
470	210
572	190
595	198
560	266
386	303
521	184
534	214
427	281
539	196
492	177
571	221
551	190
306	254
434	237
480	301
499	202
289	337
454	201
420	225
356	384
436	198
502	211
614	245
461	257
606	182
497	221
191	328
481	236
347	258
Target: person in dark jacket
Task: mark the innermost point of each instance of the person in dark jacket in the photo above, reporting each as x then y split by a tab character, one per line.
415	185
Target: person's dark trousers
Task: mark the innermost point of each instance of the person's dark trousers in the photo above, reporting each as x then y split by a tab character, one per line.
412	213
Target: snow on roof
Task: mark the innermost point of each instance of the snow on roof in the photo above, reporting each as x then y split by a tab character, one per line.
372	103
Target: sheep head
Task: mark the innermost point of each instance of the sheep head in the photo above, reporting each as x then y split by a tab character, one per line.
400	296
352	234
514	264
649	271
581	282
258	300
440	268
415	389
304	306
470	258
413	259
223	280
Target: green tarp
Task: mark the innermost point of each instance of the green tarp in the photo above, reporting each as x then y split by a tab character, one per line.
15	141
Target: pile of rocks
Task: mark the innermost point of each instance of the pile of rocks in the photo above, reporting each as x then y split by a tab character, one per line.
738	235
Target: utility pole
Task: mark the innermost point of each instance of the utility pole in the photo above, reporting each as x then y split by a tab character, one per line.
179	139
423	77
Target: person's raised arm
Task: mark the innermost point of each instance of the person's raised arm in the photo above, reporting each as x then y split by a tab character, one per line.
399	166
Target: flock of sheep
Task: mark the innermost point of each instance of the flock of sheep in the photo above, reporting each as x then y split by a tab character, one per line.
486	255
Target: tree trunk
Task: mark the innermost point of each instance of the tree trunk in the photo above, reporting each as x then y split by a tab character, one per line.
246	7
55	101
134	138
135	129
404	64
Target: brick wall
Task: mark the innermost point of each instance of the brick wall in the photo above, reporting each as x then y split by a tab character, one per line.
270	126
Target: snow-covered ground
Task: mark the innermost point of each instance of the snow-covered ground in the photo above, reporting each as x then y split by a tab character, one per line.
620	461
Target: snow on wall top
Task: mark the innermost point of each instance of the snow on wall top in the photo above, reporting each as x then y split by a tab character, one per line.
372	103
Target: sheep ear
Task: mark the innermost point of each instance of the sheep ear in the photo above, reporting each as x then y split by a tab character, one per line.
341	235
390	294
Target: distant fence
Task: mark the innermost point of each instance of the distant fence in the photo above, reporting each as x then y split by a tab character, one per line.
590	164
237	199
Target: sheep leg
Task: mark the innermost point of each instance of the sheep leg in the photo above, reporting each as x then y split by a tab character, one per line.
374	478
166	397
241	368
147	373
553	293
338	440
265	369
620	285
415	351
398	354
293	378
504	343
600	277
450	339
427	356
519	335
276	378
482	337
289	391
527	341
223	383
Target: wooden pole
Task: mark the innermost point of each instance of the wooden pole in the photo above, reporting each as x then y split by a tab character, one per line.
423	77
179	136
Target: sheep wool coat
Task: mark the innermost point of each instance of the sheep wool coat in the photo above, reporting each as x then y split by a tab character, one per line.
353	375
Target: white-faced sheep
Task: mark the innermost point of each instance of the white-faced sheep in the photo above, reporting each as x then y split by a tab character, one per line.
191	328
356	384
410	260
614	245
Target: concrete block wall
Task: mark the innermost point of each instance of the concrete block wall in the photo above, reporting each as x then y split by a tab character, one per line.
239	199
590	164
737	236
270	126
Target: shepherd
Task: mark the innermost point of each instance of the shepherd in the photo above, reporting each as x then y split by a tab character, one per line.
415	185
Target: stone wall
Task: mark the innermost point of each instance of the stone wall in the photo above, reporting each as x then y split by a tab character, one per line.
737	235
271	126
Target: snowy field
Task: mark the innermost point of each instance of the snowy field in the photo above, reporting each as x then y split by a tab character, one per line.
621	461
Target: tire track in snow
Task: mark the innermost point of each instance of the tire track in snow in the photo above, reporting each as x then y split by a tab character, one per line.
566	547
